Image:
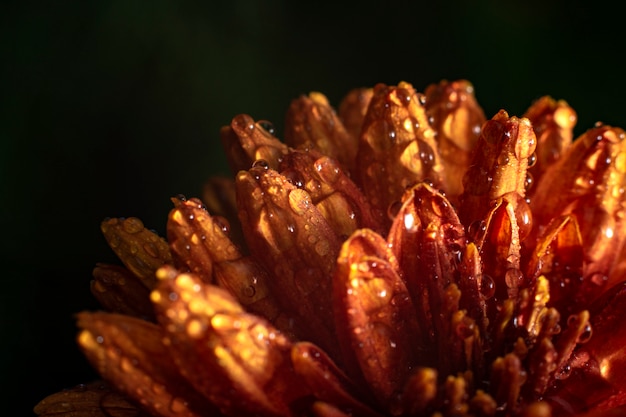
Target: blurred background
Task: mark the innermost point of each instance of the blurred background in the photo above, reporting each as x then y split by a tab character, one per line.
110	108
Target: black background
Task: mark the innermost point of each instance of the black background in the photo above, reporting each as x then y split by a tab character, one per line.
110	108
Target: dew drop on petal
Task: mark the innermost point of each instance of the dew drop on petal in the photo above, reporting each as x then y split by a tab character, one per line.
487	286
132	225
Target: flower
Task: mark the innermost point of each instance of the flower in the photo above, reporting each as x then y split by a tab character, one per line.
400	256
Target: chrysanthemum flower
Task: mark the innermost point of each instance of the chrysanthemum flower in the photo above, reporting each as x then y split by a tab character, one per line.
401	256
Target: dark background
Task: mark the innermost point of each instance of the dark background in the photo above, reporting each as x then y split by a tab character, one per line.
110	108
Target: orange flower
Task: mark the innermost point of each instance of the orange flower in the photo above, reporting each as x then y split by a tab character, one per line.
403	256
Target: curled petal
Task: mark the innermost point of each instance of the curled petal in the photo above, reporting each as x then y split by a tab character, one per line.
238	361
140	249
588	182
427	224
558	256
246	141
87	400
499	165
457	117
553	122
197	240
129	354
339	200
293	240
353	108
374	313
311	123
397	146
120	291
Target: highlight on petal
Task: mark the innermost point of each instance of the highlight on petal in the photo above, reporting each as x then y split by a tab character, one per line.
353	108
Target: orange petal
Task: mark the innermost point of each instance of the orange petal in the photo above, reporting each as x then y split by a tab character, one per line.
246	141
295	243
197	240
129	354
553	122
397	145
457	117
427	224
339	200
141	250
238	361
499	165
374	313
311	123
589	182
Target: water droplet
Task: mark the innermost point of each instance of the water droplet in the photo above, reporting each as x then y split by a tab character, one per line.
249	291
598	278
178	405
477	230
267	126
328	169
426	154
514	278
322	247
132	225
563	373
524	218
532	160
503	158
261	163
487	286
394	209
586	334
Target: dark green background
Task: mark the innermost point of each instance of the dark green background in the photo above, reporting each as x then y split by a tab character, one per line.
109	108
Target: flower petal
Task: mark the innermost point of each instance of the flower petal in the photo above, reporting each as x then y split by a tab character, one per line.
197	240
553	122
427	239
238	361
311	123
246	141
499	165
374	313
128	352
397	145
295	243
339	200
141	250
457	117
589	182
